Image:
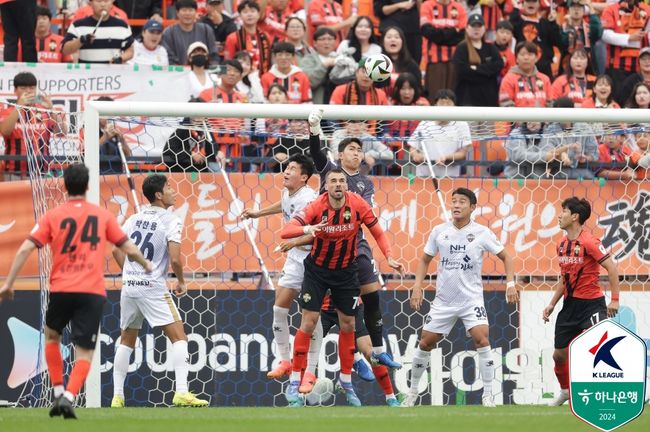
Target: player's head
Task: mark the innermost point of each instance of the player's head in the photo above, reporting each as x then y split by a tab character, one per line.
574	210
158	191
336	183
350	153
298	171
463	203
75	178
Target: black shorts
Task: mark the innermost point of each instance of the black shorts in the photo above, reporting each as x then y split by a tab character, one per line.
330	319
576	316
83	310
343	285
367	271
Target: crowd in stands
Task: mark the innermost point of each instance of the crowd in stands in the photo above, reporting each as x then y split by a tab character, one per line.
486	53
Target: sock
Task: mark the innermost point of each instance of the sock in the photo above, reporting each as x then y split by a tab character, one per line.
55	366
357	356
419	365
486	368
346	351
372	318
300	348
77	378
313	355
181	367
120	368
381	375
562	374
281	332
378	350
345	378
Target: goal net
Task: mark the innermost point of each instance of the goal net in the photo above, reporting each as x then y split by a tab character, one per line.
520	172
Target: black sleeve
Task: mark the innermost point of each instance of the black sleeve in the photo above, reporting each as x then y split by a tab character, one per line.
175	154
625	90
320	159
443	36
461	62
493	67
517	22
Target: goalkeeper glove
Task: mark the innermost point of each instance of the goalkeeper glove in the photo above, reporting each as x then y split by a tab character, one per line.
314	121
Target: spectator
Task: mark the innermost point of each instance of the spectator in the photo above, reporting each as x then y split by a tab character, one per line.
360	91
149	51
199	77
578	33
250	85
503	42
404	15
361	41
18	23
643	75
190	149
221	23
574	142
442	34
296	30
317	65
329	13
97	39
40	127
577	83
639	97
111	139
527	158
87	10
477	65
373	149
393	44
530	26
524	85
48	44
273	20
624	25
250	38
272	129
492	12
141	9
178	37
603	94
615	150
287	74
446	142
643	144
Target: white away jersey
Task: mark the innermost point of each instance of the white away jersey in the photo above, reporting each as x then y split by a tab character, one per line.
150	230
461	260
291	205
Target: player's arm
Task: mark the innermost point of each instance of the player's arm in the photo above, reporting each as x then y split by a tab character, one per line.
371	221
512	296
286	246
174	249
7	291
267	211
118	256
612	275
296	227
558	290
420	273
131	250
320	160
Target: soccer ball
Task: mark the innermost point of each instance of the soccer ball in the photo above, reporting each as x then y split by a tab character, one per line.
322	393
378	67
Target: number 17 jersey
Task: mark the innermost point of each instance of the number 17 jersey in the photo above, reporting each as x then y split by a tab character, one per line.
150	230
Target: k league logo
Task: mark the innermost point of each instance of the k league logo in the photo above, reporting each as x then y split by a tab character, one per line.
607	370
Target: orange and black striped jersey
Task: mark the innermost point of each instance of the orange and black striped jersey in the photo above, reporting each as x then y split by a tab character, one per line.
443	27
580	261
620	21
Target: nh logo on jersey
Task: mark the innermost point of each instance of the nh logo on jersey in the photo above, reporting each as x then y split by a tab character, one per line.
608	375
456	248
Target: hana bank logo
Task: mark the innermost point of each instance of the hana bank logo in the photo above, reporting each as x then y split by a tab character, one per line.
602	353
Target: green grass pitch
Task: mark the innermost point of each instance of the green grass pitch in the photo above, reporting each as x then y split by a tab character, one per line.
372	419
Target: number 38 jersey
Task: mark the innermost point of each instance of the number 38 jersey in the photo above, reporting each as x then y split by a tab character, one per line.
77	232
150	230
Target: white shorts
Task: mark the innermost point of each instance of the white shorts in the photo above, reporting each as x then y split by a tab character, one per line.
292	274
158	311
441	318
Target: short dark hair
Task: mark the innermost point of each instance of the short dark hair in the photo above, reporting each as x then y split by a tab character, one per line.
579	206
43	11
471	196
322	31
248	3
531	47
347	141
24	79
283	47
306	164
407	77
444	94
563	102
75	178
279	87
234	63
152	184
185	4
334	171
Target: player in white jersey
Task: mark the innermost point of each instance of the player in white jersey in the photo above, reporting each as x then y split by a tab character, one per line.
459	289
157	232
295	196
